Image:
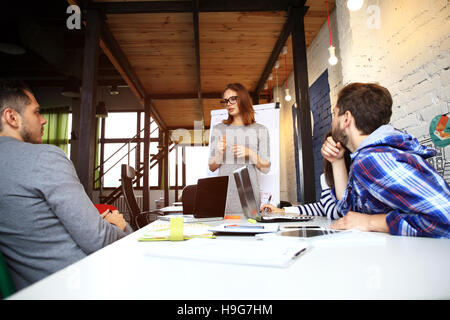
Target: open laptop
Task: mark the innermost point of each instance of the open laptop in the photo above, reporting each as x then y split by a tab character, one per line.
249	205
210	201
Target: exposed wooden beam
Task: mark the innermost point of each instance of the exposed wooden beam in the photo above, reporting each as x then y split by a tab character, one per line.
284	35
197	57
305	146
166	168
185	6
87	134
146	182
117	57
114	52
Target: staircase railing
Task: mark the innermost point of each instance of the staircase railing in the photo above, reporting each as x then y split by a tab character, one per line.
136	137
117	192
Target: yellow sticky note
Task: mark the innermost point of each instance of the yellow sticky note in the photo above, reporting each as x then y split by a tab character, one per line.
176	226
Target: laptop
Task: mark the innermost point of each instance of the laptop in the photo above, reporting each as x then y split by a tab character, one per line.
210	201
251	208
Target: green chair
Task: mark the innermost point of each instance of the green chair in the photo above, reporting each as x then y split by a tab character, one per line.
7	287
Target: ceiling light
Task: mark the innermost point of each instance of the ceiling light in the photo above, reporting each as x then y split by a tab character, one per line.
71	88
287	96
114	91
333	59
354	5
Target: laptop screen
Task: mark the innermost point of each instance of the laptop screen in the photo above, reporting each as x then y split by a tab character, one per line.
245	191
211	197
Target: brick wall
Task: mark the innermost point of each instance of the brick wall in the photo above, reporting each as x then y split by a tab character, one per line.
319	96
402	44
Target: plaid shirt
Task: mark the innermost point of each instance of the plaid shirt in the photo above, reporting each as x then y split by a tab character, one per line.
390	175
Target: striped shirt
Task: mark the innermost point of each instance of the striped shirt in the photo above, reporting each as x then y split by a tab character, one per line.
326	207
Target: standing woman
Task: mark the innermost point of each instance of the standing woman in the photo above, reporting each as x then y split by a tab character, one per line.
239	141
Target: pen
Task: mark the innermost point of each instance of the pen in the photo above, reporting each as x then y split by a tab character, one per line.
301	227
244	227
268	202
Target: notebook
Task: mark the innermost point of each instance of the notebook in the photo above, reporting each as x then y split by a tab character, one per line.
249	205
210	201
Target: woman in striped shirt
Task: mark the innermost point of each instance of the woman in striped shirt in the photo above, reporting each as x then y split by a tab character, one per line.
326	206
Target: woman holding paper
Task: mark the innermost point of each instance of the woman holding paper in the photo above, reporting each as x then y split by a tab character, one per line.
239	141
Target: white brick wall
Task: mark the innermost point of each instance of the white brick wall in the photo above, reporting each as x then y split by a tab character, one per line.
409	54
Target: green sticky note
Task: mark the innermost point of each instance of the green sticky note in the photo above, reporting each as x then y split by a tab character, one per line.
176	226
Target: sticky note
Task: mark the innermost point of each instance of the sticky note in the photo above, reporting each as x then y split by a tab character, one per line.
176	227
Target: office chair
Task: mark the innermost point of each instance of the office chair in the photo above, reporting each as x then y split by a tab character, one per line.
103	207
188	198
7	287
138	218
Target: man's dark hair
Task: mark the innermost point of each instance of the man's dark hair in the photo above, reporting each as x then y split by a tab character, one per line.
12	95
369	103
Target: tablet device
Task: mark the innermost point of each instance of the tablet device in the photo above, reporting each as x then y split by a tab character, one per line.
308	232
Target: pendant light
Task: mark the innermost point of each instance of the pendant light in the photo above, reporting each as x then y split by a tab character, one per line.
287	96
354	5
333	60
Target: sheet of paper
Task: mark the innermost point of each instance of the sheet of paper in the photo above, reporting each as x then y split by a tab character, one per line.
247	252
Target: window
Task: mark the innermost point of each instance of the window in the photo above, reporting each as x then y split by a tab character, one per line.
173	164
113	165
120	127
196	163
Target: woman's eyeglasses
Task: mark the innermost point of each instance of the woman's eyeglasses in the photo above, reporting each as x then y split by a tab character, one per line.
231	100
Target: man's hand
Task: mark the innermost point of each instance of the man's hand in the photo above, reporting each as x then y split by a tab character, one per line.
332	150
116	218
362	221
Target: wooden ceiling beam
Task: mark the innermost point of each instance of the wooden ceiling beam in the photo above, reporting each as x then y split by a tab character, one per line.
203	6
284	35
197	57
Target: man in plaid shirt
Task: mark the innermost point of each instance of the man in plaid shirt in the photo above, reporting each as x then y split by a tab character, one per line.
390	187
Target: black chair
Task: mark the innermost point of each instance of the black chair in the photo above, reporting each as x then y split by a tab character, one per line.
188	198
138	218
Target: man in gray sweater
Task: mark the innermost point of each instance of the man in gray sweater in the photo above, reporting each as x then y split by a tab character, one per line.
47	221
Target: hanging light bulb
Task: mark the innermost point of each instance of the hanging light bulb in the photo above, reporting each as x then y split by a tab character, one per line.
354	5
333	59
287	96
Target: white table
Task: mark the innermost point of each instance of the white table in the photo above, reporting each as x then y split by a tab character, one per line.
354	266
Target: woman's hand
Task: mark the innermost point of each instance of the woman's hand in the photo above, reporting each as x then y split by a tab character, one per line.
241	151
271	208
221	145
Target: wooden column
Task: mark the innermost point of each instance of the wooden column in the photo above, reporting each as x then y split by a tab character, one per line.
176	174
86	146
146	182
305	146
166	168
